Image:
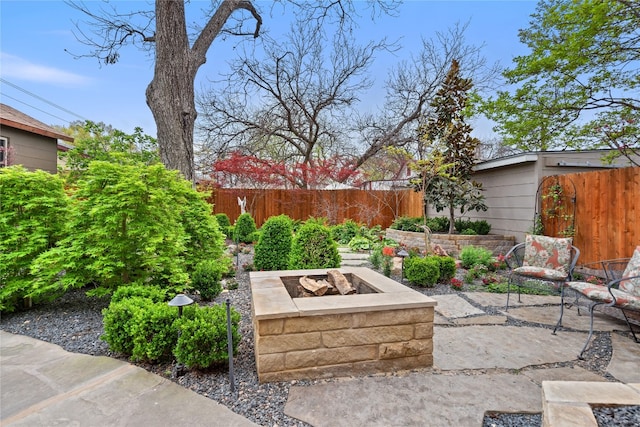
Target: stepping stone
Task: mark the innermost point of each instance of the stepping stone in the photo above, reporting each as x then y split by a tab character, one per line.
489	299
413	399
625	362
508	347
452	306
570	319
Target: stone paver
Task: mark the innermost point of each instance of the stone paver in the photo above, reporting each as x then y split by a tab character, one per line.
452	306
488	299
415	399
625	362
570	318
510	347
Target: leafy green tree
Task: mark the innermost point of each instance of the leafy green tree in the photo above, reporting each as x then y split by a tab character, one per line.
97	141
578	86
452	149
130	224
34	208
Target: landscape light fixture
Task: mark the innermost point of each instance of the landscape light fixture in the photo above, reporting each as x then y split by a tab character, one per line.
402	254
180	301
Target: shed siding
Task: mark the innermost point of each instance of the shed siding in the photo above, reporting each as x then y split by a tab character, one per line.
31	150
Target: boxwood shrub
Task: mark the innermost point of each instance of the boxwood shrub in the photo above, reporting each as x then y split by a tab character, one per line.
313	247
203	337
422	271
274	245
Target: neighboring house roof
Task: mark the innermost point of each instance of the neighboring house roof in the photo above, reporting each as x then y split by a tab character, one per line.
11	117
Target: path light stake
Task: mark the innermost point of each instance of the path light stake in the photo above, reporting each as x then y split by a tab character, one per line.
230	347
179	301
402	254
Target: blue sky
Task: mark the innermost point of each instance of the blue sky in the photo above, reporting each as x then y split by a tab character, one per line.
37	71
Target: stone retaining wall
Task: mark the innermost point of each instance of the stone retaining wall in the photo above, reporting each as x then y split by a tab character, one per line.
453	243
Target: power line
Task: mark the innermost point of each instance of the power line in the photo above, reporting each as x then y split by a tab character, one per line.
35	108
41	99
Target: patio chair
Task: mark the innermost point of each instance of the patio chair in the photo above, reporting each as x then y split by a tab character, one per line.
622	291
541	258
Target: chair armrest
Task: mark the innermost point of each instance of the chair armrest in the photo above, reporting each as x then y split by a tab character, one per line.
512	258
574	261
614	284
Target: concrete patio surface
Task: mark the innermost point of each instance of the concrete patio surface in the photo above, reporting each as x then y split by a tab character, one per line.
480	365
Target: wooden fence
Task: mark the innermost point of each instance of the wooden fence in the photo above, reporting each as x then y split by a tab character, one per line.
364	206
607	213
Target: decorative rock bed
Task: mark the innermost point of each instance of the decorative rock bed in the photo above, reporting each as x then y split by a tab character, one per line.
389	328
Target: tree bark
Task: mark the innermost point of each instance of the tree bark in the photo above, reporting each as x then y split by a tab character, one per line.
170	95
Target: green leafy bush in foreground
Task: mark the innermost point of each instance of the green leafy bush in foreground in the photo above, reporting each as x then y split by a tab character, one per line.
422	271
203	337
150	331
207	278
244	228
34	209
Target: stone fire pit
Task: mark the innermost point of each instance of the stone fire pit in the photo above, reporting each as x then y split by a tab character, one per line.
384	328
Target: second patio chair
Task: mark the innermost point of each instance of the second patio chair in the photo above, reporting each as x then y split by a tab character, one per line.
541	259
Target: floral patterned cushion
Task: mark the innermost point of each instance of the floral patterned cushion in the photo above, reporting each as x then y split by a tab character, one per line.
601	293
632	286
540	272
548	252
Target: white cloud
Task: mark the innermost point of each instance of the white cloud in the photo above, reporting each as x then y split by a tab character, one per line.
20	68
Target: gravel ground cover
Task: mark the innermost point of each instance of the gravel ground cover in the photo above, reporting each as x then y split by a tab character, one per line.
74	322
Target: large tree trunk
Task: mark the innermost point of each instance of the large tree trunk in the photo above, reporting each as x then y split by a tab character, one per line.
170	95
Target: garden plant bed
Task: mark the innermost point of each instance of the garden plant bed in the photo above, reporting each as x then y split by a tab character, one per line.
388	327
453	243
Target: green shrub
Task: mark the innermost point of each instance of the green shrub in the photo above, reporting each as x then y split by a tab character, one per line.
447	268
469	232
117	320
313	247
422	271
244	228
360	243
345	232
405	223
224	223
475	255
207	276
131	224
480	227
153	332
475	272
203	337
34	209
438	224
153	293
274	246
376	257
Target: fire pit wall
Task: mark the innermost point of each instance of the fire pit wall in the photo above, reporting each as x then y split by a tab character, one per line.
389	328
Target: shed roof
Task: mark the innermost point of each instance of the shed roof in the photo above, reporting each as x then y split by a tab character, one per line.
11	117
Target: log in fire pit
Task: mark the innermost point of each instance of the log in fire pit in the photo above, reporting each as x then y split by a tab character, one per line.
371	324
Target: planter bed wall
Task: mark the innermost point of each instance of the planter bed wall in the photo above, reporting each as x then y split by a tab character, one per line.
453	243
